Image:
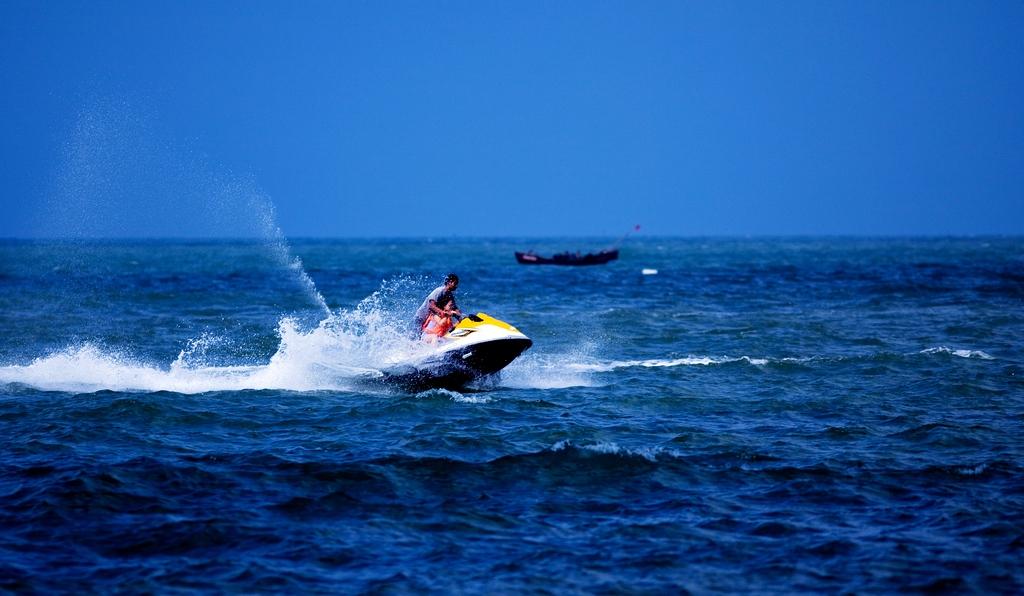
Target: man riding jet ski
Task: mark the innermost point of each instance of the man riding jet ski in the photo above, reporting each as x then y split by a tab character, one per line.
437	301
478	346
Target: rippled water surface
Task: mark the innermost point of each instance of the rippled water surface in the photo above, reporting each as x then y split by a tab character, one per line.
769	416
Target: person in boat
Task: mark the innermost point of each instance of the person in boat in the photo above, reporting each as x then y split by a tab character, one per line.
436	302
437	325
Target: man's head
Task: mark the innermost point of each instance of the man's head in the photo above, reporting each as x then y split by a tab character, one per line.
451	282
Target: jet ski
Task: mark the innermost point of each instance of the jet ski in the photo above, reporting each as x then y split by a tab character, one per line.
477	347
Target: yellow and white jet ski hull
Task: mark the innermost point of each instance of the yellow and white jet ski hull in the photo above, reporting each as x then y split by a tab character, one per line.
478	346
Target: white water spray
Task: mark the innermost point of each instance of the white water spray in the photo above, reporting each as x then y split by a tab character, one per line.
120	178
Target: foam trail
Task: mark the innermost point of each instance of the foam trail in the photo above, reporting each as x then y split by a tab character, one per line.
600	367
342	353
87	369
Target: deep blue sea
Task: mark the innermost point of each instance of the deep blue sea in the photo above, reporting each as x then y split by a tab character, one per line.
770	416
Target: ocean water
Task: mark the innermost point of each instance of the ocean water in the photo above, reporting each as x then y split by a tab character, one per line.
759	416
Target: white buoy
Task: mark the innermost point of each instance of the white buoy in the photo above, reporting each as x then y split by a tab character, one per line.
650	272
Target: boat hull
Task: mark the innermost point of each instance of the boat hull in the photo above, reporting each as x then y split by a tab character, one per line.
454	368
527	258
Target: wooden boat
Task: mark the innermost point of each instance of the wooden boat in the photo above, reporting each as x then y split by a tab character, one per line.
565	258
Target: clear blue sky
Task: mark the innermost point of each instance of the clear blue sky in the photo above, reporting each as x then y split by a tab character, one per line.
515	118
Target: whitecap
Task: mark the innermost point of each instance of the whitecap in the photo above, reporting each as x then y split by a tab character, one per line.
959	353
611	448
455	396
966	471
472	398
